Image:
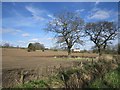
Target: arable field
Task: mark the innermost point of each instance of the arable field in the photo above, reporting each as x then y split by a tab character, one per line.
20	67
20	58
15	60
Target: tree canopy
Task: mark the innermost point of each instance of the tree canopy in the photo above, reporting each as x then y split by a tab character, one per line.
68	28
101	33
35	46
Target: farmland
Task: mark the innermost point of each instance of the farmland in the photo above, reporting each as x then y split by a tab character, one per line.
60	45
20	58
38	65
16	60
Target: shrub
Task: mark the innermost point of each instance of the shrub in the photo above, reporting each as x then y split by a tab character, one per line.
113	79
110	80
55	50
31	47
91	75
28	50
35	46
34	84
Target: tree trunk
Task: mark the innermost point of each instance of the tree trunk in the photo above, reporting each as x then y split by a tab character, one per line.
99	52
69	52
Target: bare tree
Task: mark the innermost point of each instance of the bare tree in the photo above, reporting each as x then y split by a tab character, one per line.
6	45
67	26
101	33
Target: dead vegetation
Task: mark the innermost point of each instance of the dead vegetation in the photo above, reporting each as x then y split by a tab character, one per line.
70	74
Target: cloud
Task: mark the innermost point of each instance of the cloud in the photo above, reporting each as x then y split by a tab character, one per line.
11	43
50	38
40	39
79	11
51	16
99	14
17	22
36	13
36	16
43	40
20	41
34	40
14	32
97	2
25	34
26	42
10	31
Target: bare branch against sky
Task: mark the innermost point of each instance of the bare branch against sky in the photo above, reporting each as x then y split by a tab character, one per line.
24	22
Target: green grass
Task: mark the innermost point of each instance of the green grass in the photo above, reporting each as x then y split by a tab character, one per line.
51	82
113	79
55	82
75	59
110	80
33	84
98	83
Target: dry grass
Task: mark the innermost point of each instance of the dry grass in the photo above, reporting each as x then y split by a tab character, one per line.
20	58
39	53
15	61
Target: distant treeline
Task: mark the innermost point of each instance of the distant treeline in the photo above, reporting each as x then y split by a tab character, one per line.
114	49
7	45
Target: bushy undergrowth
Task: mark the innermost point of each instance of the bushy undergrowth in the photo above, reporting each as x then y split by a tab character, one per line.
110	80
85	75
33	84
51	82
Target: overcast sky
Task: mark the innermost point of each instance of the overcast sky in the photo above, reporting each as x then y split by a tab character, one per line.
24	22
